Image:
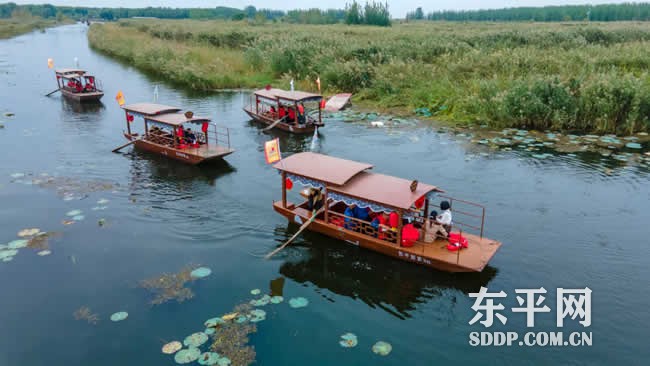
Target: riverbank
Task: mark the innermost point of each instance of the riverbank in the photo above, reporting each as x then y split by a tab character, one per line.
560	76
15	26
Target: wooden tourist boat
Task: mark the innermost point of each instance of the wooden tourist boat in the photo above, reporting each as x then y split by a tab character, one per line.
346	182
77	85
162	134
265	104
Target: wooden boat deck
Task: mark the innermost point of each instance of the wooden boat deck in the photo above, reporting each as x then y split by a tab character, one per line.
208	151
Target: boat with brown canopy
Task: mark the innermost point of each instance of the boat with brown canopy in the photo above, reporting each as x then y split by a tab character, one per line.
78	85
345	183
167	132
282	109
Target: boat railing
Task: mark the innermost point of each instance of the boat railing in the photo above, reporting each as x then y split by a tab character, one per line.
219	135
468	216
99	86
362	227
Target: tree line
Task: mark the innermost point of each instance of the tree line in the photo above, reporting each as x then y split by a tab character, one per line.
601	13
372	13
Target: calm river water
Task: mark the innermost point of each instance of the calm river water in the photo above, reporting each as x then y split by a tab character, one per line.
566	222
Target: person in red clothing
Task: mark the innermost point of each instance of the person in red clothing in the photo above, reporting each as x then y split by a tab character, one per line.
410	234
393	220
282	112
291	115
380	223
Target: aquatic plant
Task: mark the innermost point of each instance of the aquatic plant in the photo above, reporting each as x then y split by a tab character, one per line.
348	340
201	272
8	254
195	339
43	253
255	292
170	286
18	244
276	299
171	347
298	302
70	188
232	340
73	213
209	358
187	355
41	240
214	322
28	232
119	316
382	348
84	313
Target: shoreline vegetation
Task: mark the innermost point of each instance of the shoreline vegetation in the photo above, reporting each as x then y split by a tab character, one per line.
573	76
21	24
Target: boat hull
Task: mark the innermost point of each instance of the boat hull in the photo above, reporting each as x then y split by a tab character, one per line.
89	97
188	156
434	256
292	128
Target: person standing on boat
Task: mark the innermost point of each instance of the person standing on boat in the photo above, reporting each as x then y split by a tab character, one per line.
315	199
301	114
291	118
445	216
350	224
380	223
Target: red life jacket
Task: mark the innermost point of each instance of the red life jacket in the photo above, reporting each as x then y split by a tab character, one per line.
393	219
282	112
292	114
301	109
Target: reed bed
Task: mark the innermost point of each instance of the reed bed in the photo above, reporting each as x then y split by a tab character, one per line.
589	77
14	26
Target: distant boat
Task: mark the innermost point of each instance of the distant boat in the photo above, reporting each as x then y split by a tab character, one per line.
165	134
266	104
344	183
77	85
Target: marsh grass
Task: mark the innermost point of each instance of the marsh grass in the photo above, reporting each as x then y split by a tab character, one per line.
590	77
24	23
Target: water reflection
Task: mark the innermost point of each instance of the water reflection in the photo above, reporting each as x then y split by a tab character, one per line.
377	280
71	107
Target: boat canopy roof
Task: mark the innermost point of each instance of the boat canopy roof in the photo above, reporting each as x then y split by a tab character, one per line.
292	96
350	178
384	189
71	73
176	119
150	109
322	168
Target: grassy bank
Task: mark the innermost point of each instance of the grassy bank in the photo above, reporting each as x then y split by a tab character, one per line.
14	26
565	76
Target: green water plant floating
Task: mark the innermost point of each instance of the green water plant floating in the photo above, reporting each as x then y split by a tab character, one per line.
276	299
210	331
241	319
7	259
102	201
17	175
17	244
209	358
171	347
7	253
257	315
256	292
187	355
119	316
382	348
213	322
633	145
201	272
348	340
223	361
298	302
73	213
78	217
43	253
195	339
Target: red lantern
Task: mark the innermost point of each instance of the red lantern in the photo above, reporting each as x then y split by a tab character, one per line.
289	184
129	117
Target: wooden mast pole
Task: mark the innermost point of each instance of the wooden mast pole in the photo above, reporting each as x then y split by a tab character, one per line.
400	214
326	206
128	124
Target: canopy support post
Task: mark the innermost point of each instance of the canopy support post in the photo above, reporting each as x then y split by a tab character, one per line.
284	189
326	206
128	124
426	216
399	227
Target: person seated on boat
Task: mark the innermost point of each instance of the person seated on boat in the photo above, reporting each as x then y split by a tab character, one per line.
301	114
380	223
445	216
350	224
291	115
272	111
410	234
315	199
282	112
361	213
77	86
190	137
435	227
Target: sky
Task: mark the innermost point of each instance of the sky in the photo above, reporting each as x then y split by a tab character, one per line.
398	8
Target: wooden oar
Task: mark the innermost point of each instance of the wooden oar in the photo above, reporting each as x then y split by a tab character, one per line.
303	227
52	92
274	124
125	145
